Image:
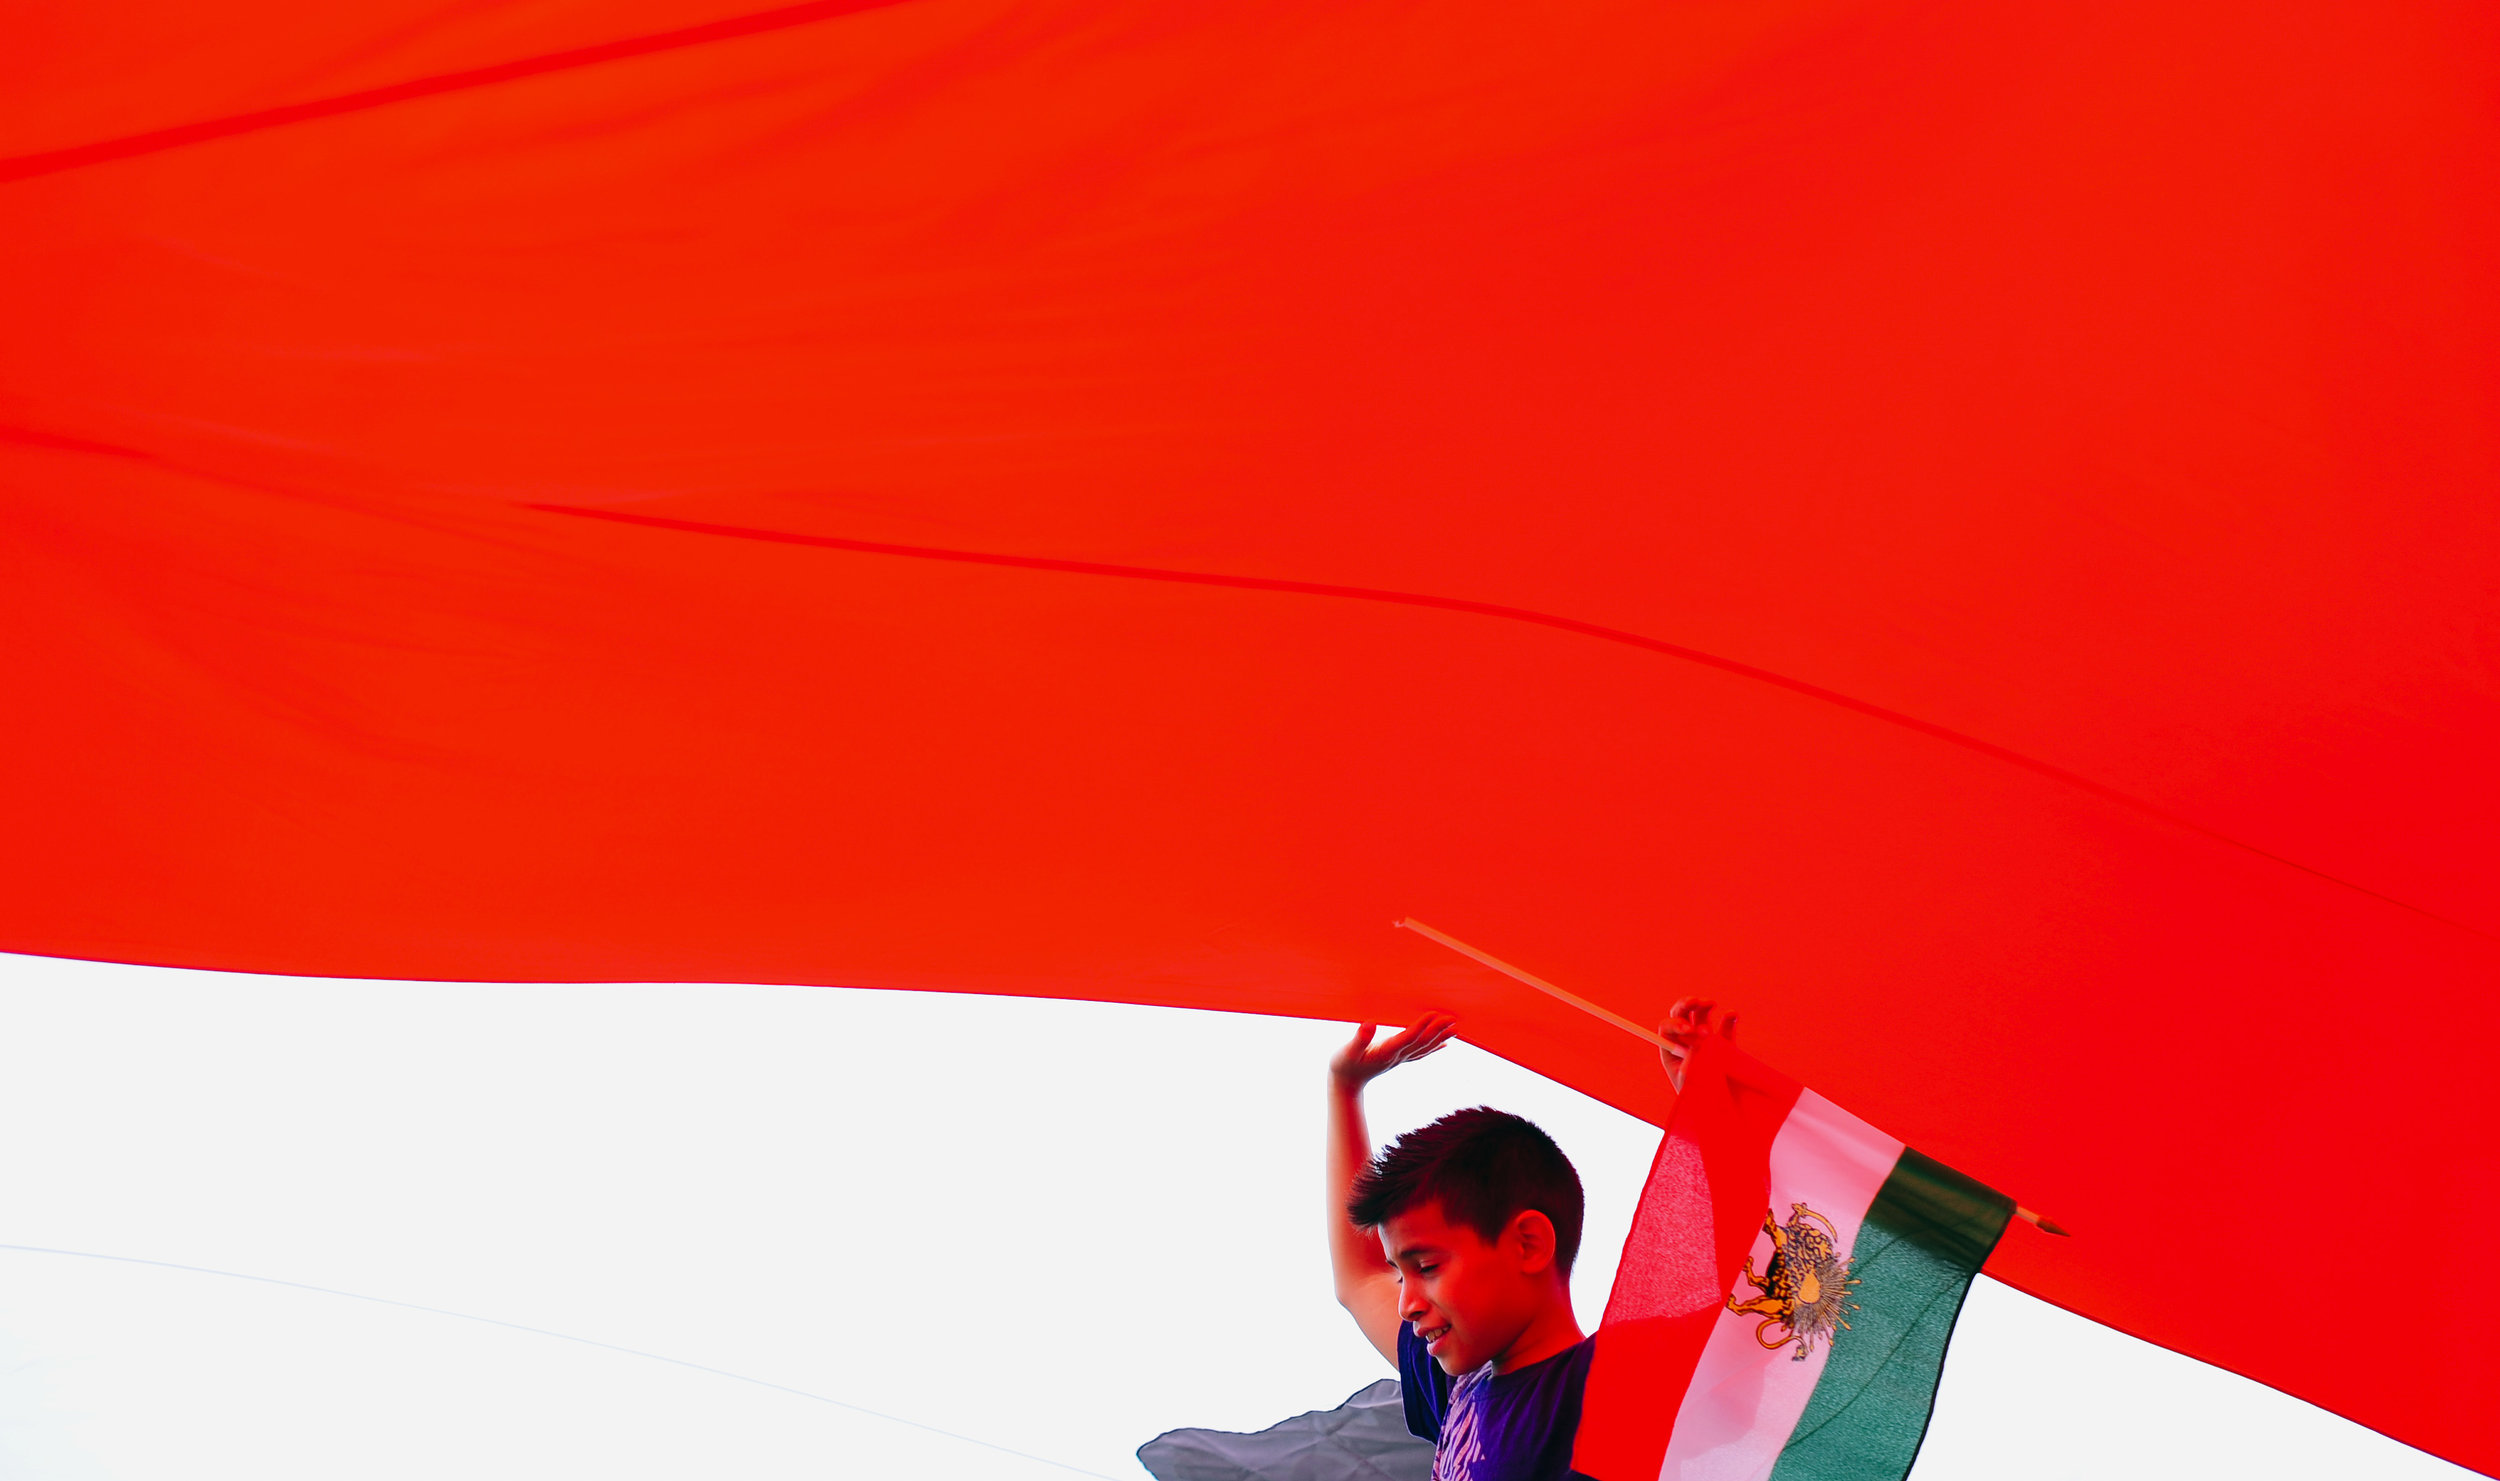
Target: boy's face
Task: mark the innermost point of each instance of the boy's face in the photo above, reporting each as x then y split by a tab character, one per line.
1468	1298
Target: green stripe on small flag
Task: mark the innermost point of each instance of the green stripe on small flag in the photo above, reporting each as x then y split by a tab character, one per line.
1926	1234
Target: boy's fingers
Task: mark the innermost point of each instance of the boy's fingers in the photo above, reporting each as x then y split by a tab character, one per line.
1413	1042
1428	1041
1429	1034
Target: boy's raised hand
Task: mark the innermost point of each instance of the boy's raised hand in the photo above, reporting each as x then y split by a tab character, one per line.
1689	1022
1362	1061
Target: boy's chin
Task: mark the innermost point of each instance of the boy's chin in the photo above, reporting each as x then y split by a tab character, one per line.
1456	1361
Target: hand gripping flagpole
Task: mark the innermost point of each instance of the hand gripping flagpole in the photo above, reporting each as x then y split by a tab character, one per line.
2045	1226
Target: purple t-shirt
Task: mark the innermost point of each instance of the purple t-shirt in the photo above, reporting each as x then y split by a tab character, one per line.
1488	1426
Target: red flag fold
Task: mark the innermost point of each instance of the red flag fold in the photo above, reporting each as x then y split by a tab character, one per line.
1712	1173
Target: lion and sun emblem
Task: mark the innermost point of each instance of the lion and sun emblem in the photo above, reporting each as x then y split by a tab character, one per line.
1804	1291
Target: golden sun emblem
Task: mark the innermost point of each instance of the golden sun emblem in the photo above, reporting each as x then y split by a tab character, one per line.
1805	1289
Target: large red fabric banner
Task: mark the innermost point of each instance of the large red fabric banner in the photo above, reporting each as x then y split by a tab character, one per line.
1963	529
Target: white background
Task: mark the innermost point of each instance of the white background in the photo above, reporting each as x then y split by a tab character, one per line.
1055	1228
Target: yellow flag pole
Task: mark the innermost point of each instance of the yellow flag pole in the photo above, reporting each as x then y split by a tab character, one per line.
2045	1226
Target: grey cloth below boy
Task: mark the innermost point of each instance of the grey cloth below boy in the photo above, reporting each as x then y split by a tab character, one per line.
1362	1439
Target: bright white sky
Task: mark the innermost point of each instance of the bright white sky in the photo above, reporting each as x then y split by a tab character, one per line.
1055	1228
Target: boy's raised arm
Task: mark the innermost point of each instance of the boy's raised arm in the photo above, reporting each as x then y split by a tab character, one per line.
1367	1284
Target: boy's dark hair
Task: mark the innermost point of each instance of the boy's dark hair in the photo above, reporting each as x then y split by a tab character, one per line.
1484	1167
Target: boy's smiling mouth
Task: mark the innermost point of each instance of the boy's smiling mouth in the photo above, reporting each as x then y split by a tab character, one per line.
1431	1335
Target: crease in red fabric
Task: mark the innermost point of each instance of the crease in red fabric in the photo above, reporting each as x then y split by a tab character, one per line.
1513	614
153	141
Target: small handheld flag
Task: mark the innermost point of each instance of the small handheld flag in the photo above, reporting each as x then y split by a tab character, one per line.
1788	1289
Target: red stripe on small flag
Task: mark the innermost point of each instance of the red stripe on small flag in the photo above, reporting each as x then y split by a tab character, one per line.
1699	1213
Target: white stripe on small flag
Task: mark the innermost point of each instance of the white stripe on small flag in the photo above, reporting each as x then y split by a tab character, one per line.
1746	1398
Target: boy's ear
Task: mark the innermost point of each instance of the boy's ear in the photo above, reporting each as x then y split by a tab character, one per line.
1533	1235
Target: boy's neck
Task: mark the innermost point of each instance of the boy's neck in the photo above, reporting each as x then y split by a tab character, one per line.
1555	1330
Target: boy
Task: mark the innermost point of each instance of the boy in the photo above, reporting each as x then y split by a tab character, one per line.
1453	1252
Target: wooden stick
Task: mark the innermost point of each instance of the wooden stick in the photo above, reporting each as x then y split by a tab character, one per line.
2045	1226
1539	983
